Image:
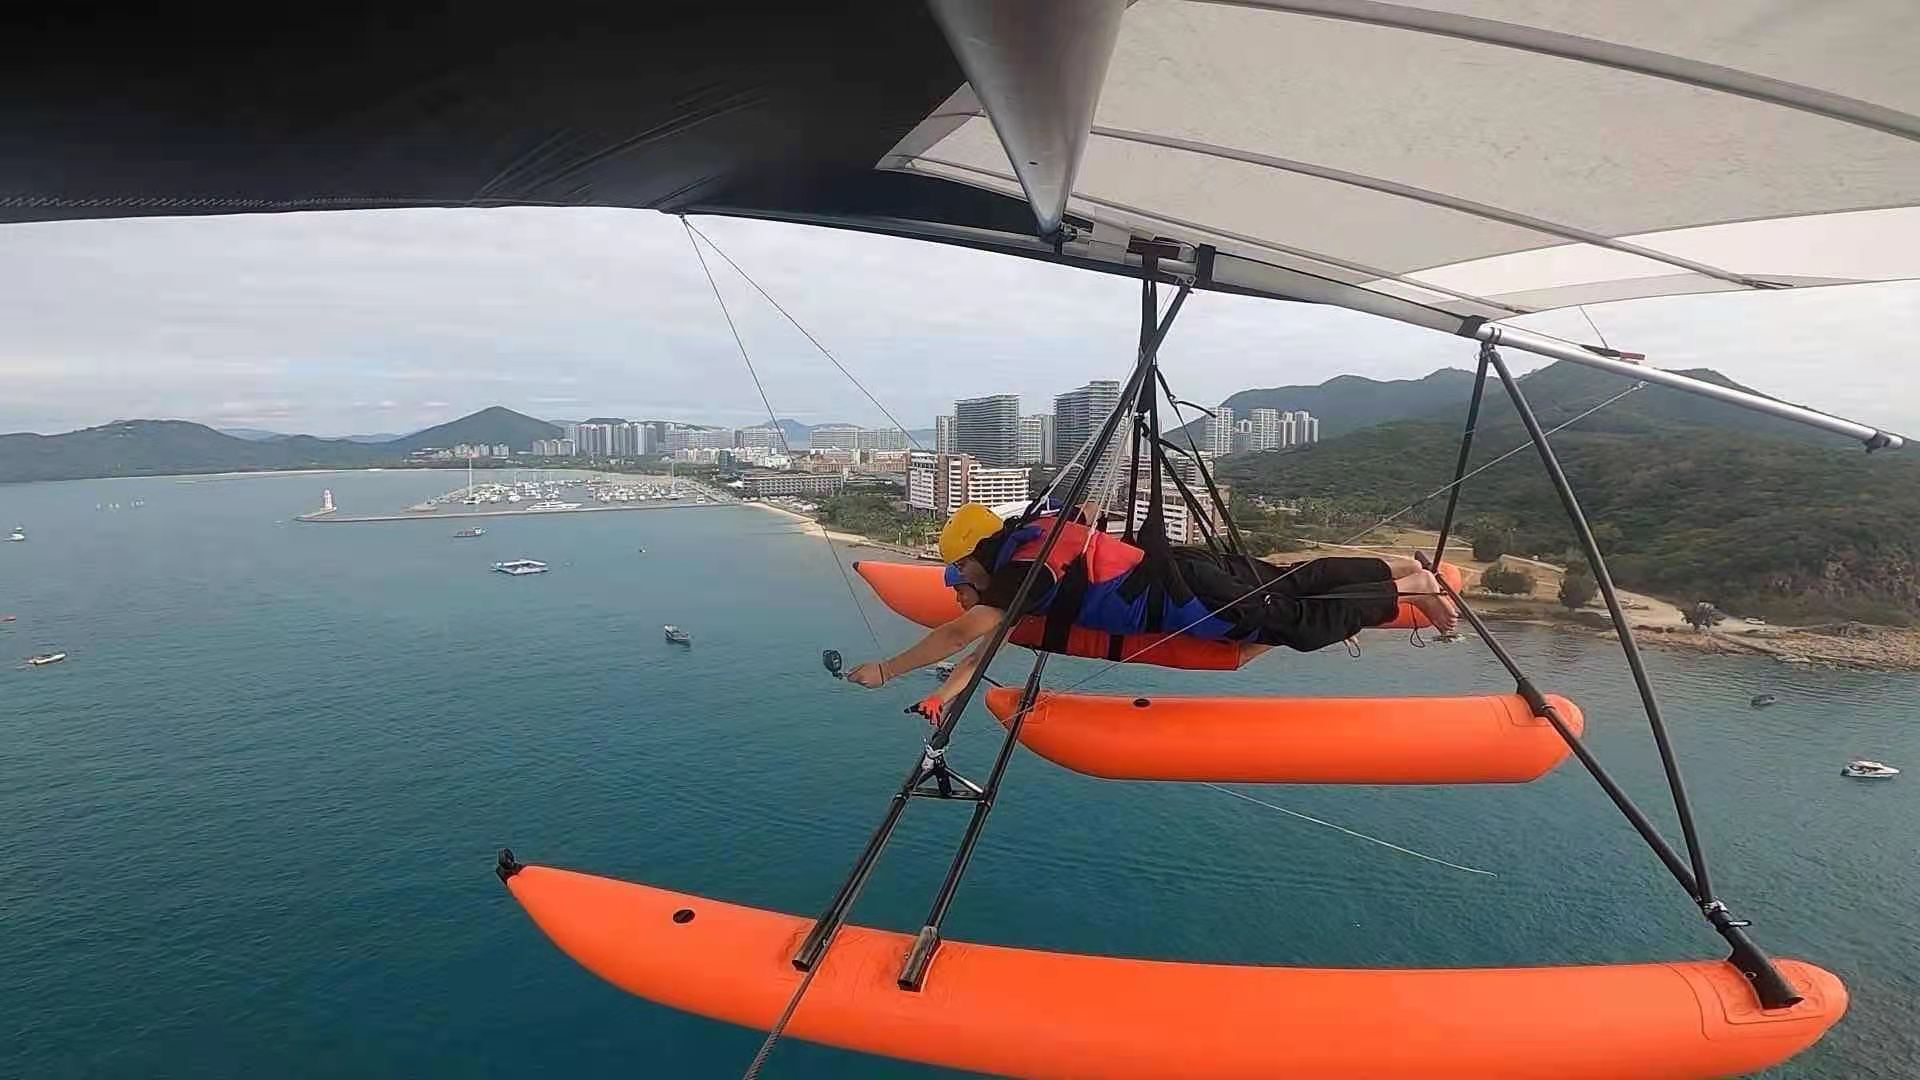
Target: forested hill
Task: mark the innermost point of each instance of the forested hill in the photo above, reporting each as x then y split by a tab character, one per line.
165	447
1347	403
1693	499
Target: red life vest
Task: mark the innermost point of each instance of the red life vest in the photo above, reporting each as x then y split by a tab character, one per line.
1108	558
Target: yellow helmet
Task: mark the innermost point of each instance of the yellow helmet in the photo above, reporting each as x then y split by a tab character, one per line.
969	525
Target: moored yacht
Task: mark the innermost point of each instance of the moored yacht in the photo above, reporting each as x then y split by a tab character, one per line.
1863	769
518	567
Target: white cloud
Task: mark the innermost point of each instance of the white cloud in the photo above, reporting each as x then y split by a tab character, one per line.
606	312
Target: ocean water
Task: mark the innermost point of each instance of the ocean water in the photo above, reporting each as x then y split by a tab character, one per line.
249	827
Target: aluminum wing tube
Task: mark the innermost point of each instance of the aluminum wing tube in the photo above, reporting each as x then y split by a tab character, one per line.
1526	341
1037	69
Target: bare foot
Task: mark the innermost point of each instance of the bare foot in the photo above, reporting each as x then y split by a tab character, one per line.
1422	591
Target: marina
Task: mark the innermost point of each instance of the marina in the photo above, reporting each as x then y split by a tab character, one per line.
542	493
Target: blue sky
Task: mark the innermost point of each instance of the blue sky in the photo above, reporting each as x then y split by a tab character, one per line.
341	323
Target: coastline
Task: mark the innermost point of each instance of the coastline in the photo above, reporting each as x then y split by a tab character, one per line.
1853	646
1655	622
330	517
813	526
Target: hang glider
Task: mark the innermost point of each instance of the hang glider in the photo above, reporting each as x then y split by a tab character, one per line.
1437	163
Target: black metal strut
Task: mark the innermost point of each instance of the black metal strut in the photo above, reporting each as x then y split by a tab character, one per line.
1466	450
932	761
1770	986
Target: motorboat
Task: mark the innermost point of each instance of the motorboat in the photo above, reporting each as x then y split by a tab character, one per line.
677	635
18	535
518	567
465	534
943	669
1761	701
43	659
1863	769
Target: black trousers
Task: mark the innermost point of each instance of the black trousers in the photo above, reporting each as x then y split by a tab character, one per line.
1306	606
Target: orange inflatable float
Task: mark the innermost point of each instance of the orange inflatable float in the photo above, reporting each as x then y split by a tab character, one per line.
1491	739
1023	1012
916	591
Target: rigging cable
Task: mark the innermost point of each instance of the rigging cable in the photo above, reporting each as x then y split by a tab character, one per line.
1350	832
815	342
774	419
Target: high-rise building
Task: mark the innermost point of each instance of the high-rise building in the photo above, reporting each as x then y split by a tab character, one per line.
835	437
646	438
941	483
1220	429
1036	439
763	436
595	440
943	434
927	482
890	438
623	441
1266	429
1310	426
1078	414
989	429
710	439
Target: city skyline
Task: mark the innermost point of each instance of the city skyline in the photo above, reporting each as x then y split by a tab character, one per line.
390	321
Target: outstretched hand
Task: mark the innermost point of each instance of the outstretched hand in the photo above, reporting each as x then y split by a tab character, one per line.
869	675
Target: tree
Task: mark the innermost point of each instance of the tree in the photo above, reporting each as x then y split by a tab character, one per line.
1576	590
1509	582
1489	544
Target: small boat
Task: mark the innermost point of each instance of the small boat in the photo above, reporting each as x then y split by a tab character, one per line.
1761	701
18	536
1863	769
517	567
43	659
8	618
943	669
677	635
464	534
554	504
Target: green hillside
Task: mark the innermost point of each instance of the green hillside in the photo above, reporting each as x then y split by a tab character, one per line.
1347	403
493	425
162	447
165	447
1693	499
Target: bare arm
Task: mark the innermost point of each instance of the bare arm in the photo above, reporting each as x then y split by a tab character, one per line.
962	671
941	642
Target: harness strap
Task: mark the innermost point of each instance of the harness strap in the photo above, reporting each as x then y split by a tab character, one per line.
1068	594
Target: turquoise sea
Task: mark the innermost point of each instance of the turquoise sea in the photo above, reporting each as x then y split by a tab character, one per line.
248	829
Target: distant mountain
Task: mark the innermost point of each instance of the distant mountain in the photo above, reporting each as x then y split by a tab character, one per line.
263	435
162	447
492	425
1693	499
1350	402
800	436
251	434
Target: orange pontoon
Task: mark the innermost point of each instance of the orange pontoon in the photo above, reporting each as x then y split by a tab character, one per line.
917	591
1491	739
1023	1012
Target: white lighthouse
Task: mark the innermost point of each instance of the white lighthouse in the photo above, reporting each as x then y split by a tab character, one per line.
326	500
